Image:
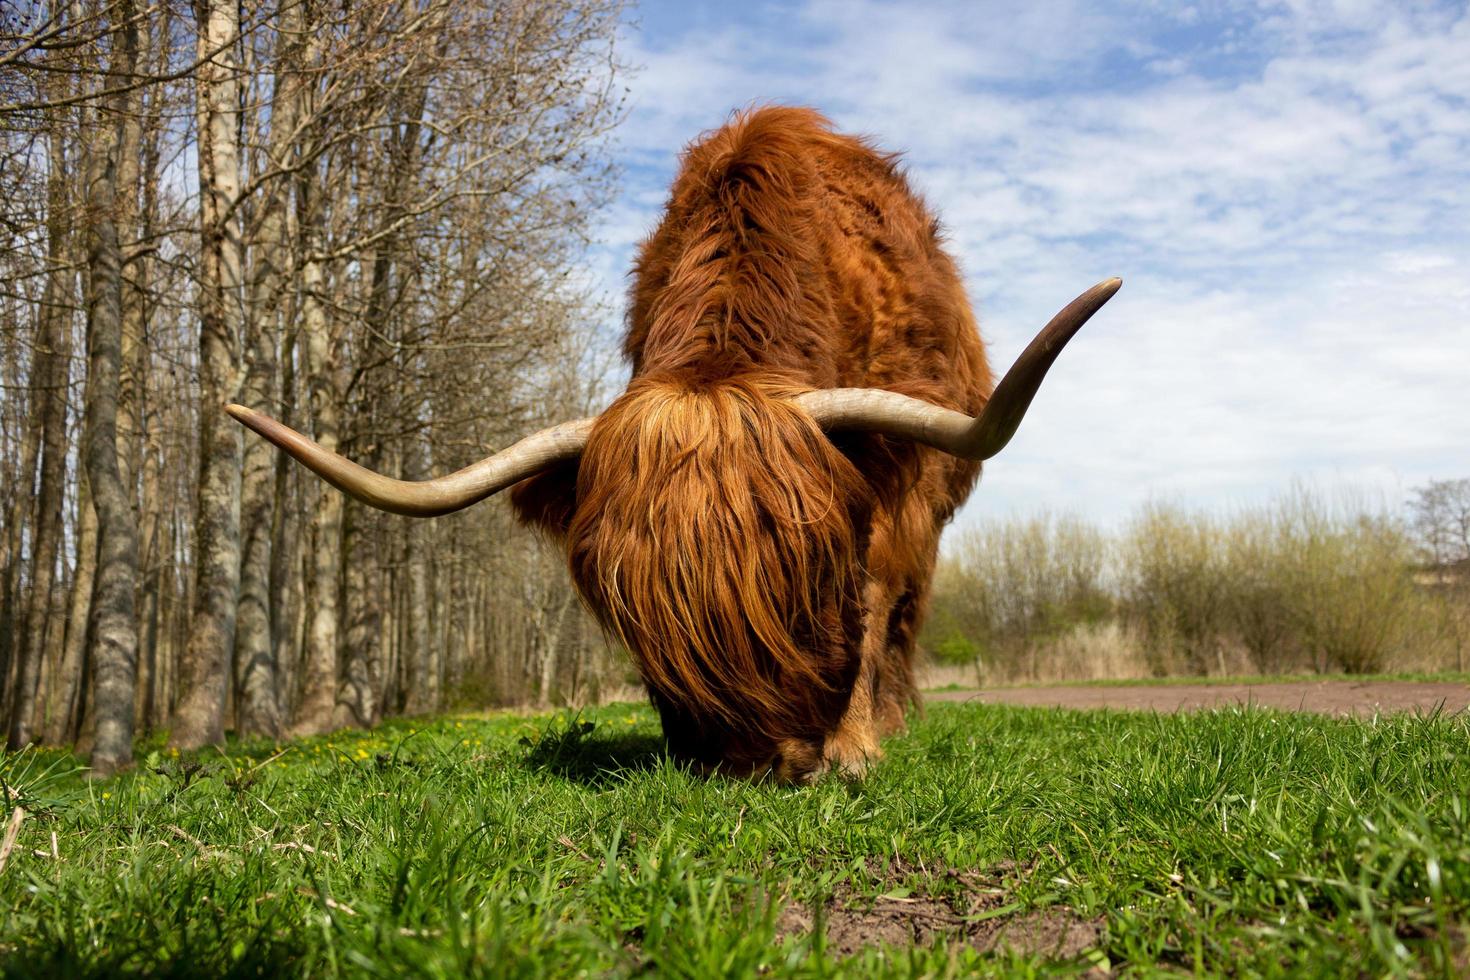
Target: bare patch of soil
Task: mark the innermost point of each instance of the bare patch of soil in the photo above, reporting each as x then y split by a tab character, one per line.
1334	697
980	914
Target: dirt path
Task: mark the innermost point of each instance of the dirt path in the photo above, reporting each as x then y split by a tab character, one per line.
1325	697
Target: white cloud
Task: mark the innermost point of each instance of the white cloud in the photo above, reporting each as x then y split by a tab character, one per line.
1283	190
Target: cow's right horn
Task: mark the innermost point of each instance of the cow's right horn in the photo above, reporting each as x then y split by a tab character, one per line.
894	414
429	498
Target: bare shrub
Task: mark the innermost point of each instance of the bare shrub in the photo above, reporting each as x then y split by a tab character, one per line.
1173	579
1351	582
1258	603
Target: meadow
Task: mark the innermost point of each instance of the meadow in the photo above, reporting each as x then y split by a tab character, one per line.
992	840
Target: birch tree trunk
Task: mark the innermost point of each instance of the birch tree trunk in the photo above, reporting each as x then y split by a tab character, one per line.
199	718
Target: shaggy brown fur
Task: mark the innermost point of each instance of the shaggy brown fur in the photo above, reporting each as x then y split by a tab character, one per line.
769	580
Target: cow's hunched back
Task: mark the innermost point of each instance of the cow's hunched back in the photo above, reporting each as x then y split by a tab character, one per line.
756	517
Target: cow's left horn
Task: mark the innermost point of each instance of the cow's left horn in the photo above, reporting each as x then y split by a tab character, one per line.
892	414
429	498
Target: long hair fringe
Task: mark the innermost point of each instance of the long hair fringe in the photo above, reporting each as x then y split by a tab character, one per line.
717	537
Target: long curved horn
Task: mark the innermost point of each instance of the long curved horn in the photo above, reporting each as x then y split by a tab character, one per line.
430	498
892	414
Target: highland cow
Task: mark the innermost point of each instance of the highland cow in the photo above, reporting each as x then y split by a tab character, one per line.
756	518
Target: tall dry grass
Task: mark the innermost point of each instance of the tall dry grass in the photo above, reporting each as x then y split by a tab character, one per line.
1312	582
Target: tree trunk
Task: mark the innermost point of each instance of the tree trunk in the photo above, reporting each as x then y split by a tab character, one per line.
114	627
65	718
319	681
49	374
357	700
199	718
136	299
423	672
13	627
147	406
551	642
257	704
284	588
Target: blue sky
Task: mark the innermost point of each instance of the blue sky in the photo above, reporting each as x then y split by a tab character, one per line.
1284	188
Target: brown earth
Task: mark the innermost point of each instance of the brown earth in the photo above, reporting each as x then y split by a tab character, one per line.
978	912
1323	697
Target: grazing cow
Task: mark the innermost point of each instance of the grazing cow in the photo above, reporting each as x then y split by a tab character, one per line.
756	517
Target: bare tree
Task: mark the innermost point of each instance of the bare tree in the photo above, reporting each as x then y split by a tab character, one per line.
1439	514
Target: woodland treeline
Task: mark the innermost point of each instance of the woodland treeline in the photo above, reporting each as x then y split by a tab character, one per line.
365	219
1312	582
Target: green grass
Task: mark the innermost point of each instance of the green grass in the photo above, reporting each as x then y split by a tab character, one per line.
1445	677
1237	841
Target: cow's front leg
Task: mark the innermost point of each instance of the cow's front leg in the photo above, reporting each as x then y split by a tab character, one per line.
854	744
